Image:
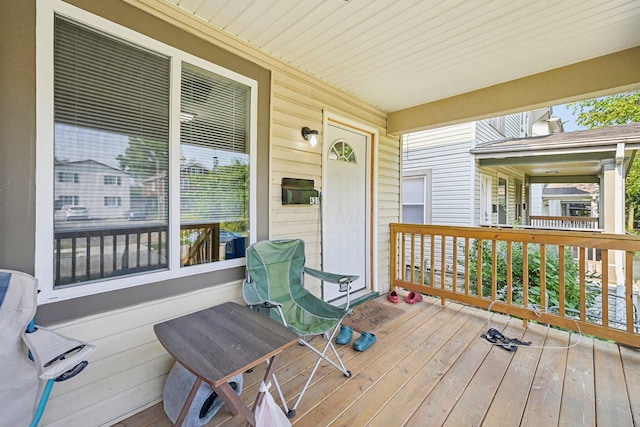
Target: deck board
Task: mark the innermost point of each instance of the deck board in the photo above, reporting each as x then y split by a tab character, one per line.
612	405
578	397
430	367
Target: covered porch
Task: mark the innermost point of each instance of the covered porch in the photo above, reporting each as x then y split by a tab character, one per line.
430	366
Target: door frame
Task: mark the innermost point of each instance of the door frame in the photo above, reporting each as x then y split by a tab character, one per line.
371	220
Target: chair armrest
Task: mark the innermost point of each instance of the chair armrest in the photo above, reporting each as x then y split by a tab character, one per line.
343	280
55	354
253	298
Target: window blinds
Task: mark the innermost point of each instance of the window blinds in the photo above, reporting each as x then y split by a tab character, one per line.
107	84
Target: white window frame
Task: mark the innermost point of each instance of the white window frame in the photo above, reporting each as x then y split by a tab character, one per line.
426	176
44	243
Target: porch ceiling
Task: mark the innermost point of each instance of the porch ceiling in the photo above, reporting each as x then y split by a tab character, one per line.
397	54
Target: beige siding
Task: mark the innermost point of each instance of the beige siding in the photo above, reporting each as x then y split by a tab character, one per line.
127	372
128	369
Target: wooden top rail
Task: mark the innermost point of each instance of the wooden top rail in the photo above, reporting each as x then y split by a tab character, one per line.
593	239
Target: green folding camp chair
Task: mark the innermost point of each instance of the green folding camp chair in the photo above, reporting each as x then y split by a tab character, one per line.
275	281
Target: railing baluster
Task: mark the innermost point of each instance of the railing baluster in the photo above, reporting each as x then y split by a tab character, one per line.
412	263
561	284
480	266
525	279
87	252
432	264
509	272
422	259
101	255
443	260
629	291
73	259
583	283
604	258
454	264
543	276
494	270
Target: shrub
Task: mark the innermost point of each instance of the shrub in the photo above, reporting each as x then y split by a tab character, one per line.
571	279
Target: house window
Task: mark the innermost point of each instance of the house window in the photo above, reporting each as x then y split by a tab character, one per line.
68	200
343	152
214	179
112	180
67	177
116	95
112	201
416	197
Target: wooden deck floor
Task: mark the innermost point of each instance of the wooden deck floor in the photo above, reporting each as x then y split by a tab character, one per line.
430	367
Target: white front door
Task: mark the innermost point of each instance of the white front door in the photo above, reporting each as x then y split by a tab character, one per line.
486	207
345	201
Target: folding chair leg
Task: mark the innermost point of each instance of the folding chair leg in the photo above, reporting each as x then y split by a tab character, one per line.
284	402
322	356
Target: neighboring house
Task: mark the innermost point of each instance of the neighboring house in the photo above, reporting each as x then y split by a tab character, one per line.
600	156
102	189
442	183
565	199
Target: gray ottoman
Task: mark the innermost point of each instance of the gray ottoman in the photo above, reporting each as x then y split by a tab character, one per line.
206	403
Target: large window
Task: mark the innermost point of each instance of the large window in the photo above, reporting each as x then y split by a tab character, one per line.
132	198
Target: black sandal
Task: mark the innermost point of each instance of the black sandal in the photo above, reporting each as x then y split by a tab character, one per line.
495	337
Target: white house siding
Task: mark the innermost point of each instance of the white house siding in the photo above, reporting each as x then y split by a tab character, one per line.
128	371
444	151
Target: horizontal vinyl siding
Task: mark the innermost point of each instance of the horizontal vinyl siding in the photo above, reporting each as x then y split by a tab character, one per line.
486	132
444	151
128	370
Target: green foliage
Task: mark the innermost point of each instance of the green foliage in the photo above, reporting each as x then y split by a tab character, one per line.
608	111
221	195
552	262
144	158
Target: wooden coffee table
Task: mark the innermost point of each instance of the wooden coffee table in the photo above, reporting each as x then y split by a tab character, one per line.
221	342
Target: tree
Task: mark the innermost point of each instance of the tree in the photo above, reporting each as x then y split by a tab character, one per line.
608	111
614	110
144	157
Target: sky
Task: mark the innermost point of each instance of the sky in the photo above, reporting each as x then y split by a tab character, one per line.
567	117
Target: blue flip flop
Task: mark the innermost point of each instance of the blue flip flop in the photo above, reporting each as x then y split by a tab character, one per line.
365	341
345	335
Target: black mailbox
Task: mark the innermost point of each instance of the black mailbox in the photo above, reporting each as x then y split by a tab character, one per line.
299	192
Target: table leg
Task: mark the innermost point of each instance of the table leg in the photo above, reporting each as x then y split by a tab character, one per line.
271	368
234	403
188	402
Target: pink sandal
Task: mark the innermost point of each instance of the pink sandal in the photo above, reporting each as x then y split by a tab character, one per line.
413	298
393	297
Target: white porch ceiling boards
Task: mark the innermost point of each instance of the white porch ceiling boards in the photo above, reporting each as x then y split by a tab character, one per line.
395	54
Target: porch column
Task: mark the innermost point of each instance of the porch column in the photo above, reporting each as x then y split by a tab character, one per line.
613	209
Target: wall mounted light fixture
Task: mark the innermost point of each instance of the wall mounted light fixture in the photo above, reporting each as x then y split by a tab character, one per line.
310	135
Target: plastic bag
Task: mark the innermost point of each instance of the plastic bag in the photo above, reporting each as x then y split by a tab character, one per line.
268	413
